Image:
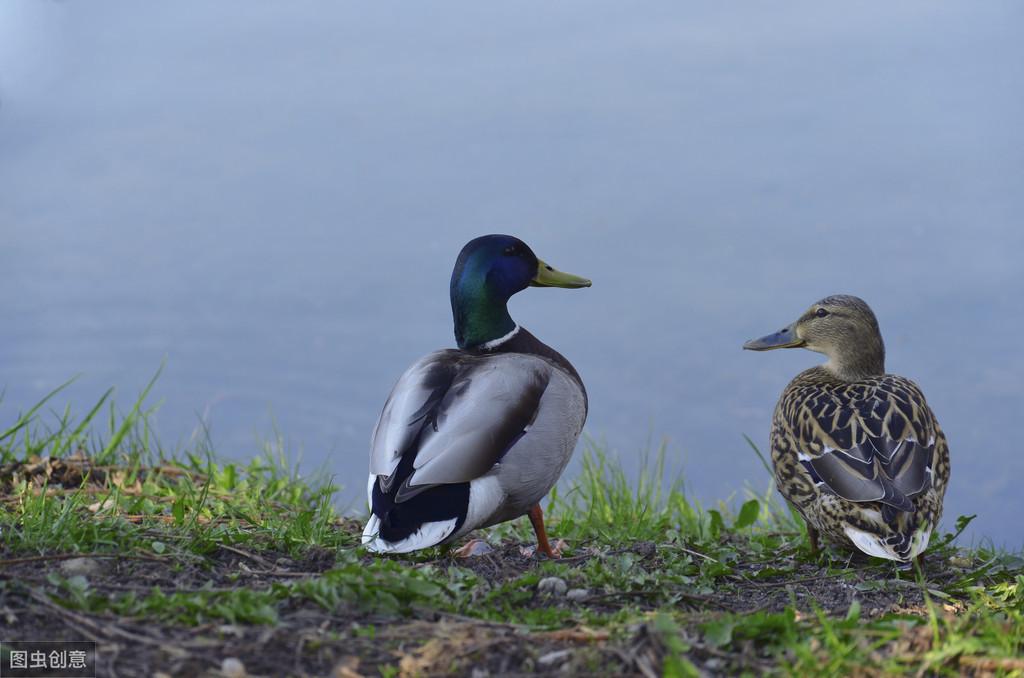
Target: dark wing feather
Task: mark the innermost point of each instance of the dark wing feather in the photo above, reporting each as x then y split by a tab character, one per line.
857	480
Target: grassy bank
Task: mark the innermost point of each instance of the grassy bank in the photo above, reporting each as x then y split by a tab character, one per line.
180	564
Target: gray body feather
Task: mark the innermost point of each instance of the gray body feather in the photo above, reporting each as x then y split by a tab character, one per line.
514	417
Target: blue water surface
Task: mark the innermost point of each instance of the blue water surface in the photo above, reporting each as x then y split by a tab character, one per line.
270	197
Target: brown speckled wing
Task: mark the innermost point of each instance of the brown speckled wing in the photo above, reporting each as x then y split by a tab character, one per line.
873	440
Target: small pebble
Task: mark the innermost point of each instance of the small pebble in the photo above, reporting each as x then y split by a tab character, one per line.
232	667
79	566
553	657
645	549
477	548
577	595
479	672
714	664
555	586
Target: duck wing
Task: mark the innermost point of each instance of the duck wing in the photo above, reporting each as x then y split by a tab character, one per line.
870	441
452	416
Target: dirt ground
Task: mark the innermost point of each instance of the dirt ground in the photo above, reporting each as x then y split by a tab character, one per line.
311	641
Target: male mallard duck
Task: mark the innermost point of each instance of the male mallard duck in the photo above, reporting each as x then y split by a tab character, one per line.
475	436
856	451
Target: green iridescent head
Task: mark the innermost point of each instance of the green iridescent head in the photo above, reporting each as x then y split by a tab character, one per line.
489	270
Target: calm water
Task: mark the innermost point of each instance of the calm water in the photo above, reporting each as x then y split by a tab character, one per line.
272	196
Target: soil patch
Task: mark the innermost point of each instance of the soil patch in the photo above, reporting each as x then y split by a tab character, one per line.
307	639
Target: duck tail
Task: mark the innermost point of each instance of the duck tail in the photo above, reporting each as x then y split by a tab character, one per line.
426	535
426	518
901	546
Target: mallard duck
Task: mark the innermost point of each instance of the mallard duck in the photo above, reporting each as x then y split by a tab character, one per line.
475	436
856	451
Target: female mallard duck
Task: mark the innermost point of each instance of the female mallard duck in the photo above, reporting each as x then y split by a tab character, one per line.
856	451
475	436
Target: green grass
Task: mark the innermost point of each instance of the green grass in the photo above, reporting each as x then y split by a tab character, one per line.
662	573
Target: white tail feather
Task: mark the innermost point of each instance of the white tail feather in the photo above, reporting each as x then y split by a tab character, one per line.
874	545
429	534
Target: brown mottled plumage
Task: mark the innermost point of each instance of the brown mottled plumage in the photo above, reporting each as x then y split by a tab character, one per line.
856	451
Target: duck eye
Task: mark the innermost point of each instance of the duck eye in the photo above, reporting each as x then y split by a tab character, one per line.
509	251
821	313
